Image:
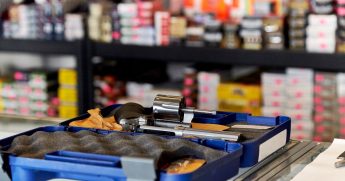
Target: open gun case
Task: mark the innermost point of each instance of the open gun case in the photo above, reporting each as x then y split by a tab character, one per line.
79	153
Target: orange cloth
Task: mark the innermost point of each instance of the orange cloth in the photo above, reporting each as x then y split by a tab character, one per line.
97	121
185	165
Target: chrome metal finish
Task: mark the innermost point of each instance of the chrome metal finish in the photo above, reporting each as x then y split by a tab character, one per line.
200	111
132	124
168	108
170	124
223	135
172	108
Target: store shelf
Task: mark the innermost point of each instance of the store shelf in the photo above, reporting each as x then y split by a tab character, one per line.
41	46
271	58
84	50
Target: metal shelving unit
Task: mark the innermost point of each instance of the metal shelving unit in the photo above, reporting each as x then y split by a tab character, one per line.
84	51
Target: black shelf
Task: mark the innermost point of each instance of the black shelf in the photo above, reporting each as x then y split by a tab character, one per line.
270	58
41	46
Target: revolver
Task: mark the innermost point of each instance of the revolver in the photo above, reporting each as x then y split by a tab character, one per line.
168	115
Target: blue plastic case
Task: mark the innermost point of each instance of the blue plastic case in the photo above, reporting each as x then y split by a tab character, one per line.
254	150
75	165
82	166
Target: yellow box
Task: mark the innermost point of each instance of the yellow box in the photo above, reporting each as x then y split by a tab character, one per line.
68	94
230	107
68	111
233	97
68	77
239	91
1	86
1	105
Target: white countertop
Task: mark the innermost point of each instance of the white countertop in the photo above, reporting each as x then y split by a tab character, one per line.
5	134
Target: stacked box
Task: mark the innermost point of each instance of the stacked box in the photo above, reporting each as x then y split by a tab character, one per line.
239	98
28	94
100	22
46	20
116	25
322	6
213	32
39	20
190	87
273	93
321	31
58	20
27	22
22	89
67	102
74	27
195	36
43	89
297	21
340	10
1	99
178	26
251	33
7	28
290	94
140	93
273	33
9	98
108	89
14	94
207	90
36	94
136	23
231	40
341	104
162	28
106	29
325	106
144	94
299	101
93	21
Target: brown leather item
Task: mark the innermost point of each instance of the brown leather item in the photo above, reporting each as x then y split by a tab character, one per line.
97	121
210	127
185	165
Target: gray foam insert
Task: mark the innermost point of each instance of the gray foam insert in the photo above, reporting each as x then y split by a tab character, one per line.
161	149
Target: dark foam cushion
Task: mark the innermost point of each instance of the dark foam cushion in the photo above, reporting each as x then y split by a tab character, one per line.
161	149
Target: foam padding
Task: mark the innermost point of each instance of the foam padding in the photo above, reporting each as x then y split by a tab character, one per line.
161	149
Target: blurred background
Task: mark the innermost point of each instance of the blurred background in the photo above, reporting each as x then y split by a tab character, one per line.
59	58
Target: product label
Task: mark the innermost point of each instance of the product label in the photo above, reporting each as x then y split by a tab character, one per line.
272	145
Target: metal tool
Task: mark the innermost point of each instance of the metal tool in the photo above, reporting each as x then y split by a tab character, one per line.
189	132
341	162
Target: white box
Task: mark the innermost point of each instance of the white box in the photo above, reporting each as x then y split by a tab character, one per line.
323	20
